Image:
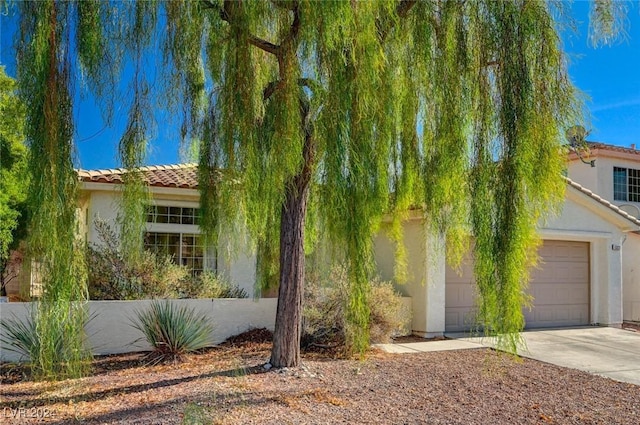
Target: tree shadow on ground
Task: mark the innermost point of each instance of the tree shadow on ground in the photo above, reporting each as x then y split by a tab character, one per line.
93	396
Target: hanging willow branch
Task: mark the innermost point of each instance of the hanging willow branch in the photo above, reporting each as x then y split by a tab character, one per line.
44	75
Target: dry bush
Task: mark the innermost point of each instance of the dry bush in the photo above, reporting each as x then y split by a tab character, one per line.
324	320
113	276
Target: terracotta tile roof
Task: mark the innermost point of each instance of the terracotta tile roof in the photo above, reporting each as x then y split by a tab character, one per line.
607	147
602	201
179	175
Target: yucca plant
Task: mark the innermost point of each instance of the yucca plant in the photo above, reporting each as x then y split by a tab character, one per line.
173	330
26	339
20	337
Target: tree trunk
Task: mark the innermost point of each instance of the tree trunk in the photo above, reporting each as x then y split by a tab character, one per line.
288	328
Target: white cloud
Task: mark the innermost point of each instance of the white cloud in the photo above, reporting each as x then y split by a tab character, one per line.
615	105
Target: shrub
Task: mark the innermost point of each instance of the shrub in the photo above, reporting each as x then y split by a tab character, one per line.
112	276
152	275
210	285
324	318
173	330
25	339
21	337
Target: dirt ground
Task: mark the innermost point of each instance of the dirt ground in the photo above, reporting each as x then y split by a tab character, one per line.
227	385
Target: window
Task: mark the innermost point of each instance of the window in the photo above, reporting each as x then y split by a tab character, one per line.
184	248
173	215
626	184
173	231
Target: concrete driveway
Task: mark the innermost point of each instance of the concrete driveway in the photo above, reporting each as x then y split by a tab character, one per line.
609	352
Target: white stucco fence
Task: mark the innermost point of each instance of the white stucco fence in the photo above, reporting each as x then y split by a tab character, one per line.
110	331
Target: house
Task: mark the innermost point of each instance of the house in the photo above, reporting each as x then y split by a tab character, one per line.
616	178
589	255
172	222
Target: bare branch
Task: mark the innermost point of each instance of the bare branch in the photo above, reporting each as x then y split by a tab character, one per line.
275	85
270	89
264	45
295	25
252	39
404	7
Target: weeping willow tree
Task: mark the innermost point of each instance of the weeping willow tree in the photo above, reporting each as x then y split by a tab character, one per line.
326	116
44	79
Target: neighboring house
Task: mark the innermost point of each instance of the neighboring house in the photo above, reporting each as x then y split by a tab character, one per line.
616	178
587	254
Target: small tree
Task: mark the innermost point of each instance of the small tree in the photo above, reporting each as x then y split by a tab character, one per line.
14	176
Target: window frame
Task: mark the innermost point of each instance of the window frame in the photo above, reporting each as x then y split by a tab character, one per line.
182	228
626	184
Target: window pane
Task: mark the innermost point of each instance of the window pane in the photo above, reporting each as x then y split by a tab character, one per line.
198	264
187	216
174	215
162	214
619	184
634	185
184	248
173	238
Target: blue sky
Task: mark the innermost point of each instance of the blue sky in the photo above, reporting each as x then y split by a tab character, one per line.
609	76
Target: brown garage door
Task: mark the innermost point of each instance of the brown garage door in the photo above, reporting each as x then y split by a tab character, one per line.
559	285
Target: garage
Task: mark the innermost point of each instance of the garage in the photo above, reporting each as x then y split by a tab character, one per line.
559	286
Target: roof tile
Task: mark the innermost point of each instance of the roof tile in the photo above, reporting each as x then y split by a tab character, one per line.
176	175
602	201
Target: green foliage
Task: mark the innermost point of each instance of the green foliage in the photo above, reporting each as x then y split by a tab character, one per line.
173	330
113	275
607	21
21	337
44	72
210	285
26	339
14	174
326	310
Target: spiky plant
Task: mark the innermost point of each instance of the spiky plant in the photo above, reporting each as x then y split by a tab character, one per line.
173	330
25	338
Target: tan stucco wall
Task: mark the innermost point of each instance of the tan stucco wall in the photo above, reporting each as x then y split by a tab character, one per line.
631	277
586	221
600	178
425	283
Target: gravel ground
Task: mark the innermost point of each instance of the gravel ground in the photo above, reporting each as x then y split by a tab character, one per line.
227	385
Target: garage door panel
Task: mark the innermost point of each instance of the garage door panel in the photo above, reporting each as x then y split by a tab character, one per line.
460	319
547	316
561	272
556	294
461	295
558	251
559	287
